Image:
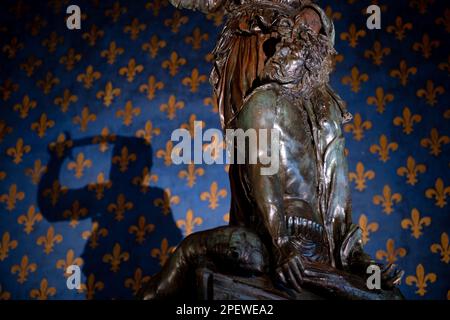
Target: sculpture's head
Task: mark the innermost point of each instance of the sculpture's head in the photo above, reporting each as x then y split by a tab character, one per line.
303	58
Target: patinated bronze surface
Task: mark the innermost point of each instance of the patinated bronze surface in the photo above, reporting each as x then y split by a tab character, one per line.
292	231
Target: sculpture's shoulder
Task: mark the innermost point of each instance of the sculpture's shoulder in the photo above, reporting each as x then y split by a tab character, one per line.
261	108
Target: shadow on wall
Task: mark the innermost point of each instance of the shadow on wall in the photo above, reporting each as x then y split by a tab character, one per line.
132	223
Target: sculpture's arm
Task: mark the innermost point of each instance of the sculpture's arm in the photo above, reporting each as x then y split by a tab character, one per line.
259	112
205	6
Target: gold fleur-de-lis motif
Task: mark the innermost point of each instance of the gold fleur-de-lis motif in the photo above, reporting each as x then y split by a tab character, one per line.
166	154
54	192
147	132
176	22
4	130
36	171
444	20
360	176
171	107
150	87
42	125
173	63
23	269
153	46
36	24
355	79
137	281
334	15
416	223
108	94
7	244
44	291
91	286
421	5
421	279
430	92
79	165
29	219
52	42
383	148
93	34
377	53
70	59
411	171
94	235
12	48
116	257
213	195
115	11
84	119
357	127
399	28
391	253
70	260
89	77
12	197
120	207
435	142
144	180
443	248
128	112
387	199
166	201
103	139
7	88
445	66
226	217
194	80
56	5
156	6
4	295
366	227
439	193
18	151
47	83
30	65
49	240
59	146
112	52
191	174
75	213
25	107
134	28
189	223
124	159
100	186
407	120
212	101
426	46
131	70
352	35
403	72
196	38
214	148
66	99
163	252
190	126
141	229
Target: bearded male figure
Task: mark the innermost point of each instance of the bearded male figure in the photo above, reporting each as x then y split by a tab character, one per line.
271	71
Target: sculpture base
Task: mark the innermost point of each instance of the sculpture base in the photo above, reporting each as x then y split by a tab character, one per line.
218	286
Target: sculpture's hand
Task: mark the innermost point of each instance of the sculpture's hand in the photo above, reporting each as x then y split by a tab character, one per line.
291	272
391	276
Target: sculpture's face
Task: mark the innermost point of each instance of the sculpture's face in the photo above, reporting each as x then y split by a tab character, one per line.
302	59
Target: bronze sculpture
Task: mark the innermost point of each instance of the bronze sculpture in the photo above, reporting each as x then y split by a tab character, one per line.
294	229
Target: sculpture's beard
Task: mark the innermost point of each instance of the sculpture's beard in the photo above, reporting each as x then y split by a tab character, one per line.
301	64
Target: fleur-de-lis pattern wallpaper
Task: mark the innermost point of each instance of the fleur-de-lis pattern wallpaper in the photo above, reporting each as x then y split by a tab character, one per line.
86	176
